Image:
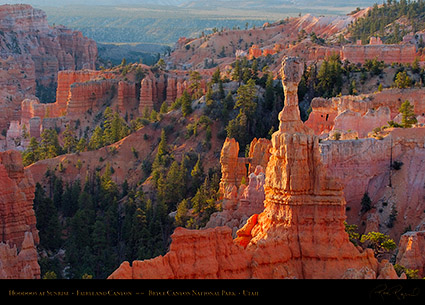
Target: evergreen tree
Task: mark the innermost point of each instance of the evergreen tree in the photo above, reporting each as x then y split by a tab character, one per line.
70	198
78	246
49	146
245	99
181	214
195	84
97	139
269	96
216	77
186	104
81	145
329	77
108	188
119	128
221	93
402	80
254	69
379	242
226	106
408	117
237	72
31	154
197	173
47	220
162	146
366	203
69	140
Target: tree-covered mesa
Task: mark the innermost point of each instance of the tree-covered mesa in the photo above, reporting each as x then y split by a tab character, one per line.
112	129
381	21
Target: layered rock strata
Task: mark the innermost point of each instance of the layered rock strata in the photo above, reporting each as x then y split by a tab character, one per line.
363	166
18	233
32	53
362	113
402	53
127	97
90	95
300	233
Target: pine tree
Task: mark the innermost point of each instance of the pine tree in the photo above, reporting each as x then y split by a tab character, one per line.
181	217
31	154
237	72
162	146
408	117
173	190
49	146
97	139
269	94
107	126
366	203
47	220
216	77
402	80
69	140
25	133
195	84
254	69
108	187
197	173
245	99
81	145
186	103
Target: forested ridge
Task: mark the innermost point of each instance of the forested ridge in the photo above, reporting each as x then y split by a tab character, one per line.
391	21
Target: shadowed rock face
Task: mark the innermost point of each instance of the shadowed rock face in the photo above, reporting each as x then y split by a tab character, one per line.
18	233
300	233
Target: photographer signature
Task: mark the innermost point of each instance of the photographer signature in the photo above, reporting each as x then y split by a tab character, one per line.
397	291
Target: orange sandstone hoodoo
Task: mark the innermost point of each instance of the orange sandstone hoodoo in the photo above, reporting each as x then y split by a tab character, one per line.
18	232
300	233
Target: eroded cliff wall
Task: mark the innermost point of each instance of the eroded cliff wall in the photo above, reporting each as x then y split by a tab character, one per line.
32	53
18	232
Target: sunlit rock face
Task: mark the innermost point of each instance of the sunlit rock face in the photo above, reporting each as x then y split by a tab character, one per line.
300	233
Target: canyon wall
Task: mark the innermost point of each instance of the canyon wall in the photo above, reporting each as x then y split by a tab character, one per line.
80	91
401	53
363	166
362	113
300	233
90	95
32	53
18	232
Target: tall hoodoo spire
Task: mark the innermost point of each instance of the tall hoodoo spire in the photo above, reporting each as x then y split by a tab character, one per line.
289	118
300	233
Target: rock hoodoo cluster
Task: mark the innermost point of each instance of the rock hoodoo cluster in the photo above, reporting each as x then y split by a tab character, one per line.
241	200
300	233
32	54
18	233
